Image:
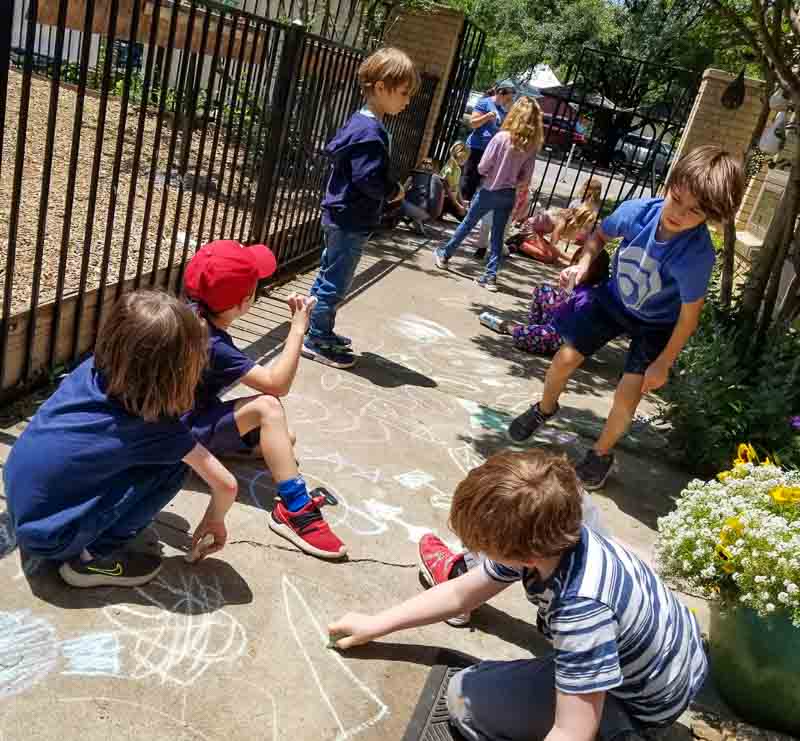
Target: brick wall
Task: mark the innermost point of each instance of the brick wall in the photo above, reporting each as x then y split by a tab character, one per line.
711	123
431	40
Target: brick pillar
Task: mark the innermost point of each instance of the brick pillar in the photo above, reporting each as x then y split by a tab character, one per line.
711	123
431	40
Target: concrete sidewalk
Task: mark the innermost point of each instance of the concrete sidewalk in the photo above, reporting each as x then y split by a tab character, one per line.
234	648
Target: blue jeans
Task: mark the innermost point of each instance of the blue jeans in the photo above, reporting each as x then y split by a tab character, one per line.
516	701
116	520
500	203
337	268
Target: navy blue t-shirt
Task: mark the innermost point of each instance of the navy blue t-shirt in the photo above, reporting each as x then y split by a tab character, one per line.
226	365
651	279
81	454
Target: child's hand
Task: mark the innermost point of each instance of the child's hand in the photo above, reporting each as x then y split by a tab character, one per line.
215	528
655	376
401	194
572	276
355	628
301	308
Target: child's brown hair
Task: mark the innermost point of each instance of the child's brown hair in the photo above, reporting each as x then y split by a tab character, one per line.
524	125
714	177
519	506
152	349
391	66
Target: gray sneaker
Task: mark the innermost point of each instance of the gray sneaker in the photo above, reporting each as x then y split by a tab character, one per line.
528	422
594	469
121	569
440	259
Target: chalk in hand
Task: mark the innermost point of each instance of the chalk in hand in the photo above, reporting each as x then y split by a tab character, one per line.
205	542
334	637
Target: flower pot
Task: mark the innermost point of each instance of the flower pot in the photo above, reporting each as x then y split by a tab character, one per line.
755	662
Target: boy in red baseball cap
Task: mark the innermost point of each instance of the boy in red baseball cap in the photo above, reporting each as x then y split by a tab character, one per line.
221	281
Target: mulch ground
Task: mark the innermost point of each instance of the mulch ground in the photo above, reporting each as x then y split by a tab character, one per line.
226	176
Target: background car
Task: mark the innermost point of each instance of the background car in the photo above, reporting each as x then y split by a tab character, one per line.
561	133
640	151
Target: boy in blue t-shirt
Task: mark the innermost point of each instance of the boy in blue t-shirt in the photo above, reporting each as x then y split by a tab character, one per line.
107	451
655	294
358	188
626	655
221	280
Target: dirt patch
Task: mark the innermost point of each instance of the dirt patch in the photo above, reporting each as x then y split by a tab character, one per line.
222	182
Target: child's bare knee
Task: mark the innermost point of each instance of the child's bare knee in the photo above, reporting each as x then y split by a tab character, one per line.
270	408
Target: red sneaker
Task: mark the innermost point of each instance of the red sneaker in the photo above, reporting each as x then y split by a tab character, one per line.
307	529
436	563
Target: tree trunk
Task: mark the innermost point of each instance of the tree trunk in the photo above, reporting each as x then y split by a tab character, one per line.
753	293
728	255
782	248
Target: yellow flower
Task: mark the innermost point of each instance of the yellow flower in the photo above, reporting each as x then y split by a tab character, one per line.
786	494
745	453
723	553
724	475
728	567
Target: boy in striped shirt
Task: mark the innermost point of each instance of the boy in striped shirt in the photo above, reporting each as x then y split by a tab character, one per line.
627	655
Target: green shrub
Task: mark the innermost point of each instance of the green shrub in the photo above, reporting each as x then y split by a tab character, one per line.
721	395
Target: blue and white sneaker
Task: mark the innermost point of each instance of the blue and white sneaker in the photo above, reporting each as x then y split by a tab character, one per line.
343	341
333	355
490	284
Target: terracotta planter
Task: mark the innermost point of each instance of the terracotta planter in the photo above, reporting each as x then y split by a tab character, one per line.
755	662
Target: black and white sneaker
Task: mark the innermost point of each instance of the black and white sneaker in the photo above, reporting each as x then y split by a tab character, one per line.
120	569
440	259
528	423
334	355
594	469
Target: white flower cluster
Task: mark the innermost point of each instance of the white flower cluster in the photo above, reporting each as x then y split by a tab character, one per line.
738	539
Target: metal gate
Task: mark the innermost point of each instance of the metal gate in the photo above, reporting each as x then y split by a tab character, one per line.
616	119
462	76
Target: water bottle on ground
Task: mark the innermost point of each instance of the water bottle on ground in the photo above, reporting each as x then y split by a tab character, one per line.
492	321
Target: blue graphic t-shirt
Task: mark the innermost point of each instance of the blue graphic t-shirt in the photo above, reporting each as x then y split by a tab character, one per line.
651	279
479	138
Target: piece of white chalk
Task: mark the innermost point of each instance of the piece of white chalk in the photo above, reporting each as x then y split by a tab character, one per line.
205	542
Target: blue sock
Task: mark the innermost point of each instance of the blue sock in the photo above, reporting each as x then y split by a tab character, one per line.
293	493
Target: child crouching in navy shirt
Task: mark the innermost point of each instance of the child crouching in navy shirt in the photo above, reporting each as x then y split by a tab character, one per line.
221	280
107	451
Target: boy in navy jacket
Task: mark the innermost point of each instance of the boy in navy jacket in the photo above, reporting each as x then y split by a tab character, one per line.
357	191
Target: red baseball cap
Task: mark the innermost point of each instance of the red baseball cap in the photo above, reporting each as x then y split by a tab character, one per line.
223	273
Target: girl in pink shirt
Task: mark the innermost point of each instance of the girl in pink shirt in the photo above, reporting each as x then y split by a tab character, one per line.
506	164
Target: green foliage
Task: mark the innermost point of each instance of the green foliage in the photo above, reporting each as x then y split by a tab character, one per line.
721	394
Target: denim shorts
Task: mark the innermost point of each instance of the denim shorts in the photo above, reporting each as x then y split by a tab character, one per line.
215	428
593	323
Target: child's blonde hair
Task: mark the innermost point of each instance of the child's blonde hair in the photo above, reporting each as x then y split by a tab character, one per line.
578	218
152	349
524	125
391	66
459	149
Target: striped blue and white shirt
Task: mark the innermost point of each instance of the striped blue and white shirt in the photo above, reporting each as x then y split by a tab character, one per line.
615	627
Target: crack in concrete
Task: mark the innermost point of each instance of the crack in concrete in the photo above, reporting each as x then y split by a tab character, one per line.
258	544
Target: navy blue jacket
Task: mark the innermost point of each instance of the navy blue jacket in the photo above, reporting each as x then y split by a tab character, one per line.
360	182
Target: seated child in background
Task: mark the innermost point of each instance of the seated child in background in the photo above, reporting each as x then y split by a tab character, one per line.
540	335
454	204
569	224
108	451
627	655
221	280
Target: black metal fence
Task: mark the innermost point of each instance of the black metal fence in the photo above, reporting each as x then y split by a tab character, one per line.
146	129
616	119
462	77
